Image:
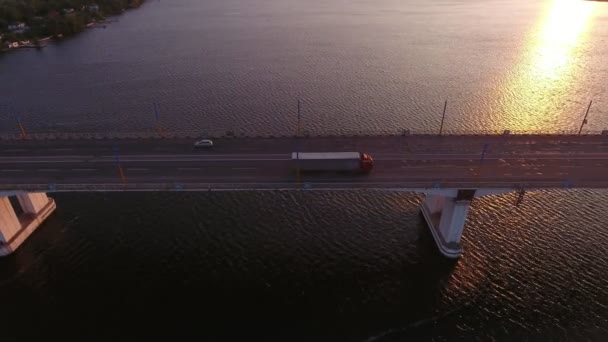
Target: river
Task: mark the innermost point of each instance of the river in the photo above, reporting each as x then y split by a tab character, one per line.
307	266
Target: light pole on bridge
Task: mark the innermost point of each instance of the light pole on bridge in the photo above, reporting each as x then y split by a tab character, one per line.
157	119
121	172
445	106
298	142
299	109
585	118
21	129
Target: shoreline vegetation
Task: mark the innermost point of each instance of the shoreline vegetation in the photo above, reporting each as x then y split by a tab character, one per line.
32	23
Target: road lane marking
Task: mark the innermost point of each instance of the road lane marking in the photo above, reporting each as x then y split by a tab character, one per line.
229	179
108	159
11	170
261	157
43	161
336	185
184	160
429	166
48	170
202	155
85	169
105	159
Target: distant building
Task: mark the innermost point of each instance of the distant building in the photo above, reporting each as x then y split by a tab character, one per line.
18	28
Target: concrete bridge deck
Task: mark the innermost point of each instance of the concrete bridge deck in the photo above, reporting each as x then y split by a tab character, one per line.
264	163
450	170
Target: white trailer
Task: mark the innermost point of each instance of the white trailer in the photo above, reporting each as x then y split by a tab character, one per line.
332	161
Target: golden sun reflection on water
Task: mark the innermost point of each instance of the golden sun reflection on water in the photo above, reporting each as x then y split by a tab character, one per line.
566	23
547	72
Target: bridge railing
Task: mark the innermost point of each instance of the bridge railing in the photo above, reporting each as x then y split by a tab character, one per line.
306	186
194	134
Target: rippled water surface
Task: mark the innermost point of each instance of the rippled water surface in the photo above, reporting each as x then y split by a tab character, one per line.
368	65
348	266
313	266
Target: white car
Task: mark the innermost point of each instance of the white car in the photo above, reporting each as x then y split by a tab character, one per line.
205	143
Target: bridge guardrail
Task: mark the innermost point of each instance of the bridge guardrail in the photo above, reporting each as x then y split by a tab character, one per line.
177	186
40	135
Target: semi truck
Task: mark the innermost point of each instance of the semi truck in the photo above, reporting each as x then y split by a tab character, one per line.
355	162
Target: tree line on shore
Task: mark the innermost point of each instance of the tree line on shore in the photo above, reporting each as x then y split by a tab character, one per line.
35	19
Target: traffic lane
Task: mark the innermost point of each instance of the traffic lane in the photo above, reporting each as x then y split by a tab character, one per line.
140	158
520	169
379	158
198	171
103	163
287	177
271	161
396	165
523	163
370	144
148	171
286	156
281	171
169	146
165	178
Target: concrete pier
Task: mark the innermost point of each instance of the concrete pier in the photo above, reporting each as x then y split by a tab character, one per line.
15	229
445	212
446	217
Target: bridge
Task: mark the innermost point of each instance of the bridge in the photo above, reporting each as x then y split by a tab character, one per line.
451	170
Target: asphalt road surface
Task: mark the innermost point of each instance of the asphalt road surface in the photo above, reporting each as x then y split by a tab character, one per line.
533	161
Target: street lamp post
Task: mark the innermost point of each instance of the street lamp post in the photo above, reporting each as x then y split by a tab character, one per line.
445	106
299	111
298	142
585	119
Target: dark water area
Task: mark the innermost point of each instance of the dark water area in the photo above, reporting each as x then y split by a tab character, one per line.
309	266
313	266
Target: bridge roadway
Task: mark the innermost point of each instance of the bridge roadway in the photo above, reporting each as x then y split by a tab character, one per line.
415	161
450	170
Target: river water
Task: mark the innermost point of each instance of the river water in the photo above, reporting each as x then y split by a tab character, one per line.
303	266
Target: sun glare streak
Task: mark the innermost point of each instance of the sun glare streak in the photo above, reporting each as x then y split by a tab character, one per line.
564	25
547	71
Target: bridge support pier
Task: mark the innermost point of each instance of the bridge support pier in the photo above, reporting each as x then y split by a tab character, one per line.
446	213
14	229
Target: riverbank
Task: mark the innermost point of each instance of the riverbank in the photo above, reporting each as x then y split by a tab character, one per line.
42	42
20	28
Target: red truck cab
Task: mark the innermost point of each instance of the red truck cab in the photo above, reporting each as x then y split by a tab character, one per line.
367	162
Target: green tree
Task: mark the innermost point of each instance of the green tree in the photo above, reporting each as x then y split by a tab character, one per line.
36	13
9	37
10	13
